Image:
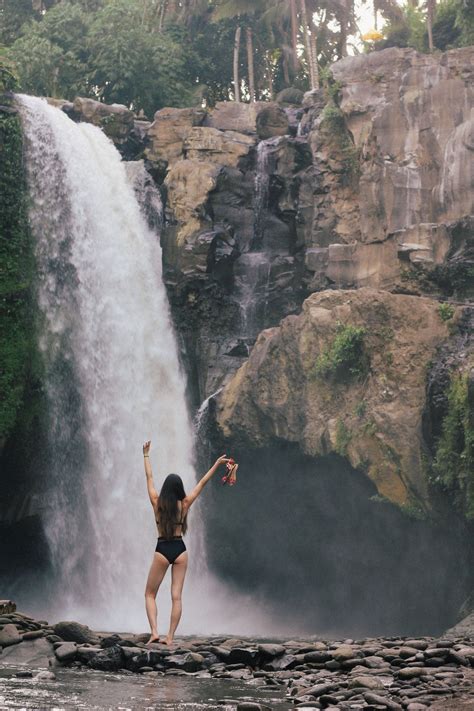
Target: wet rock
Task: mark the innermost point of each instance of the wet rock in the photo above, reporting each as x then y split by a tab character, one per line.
110	641
287	661
368	682
115	120
251	706
33	634
411	672
376	699
75	632
85	654
317	657
270	651
243	655
9	635
7	607
189	662
66	652
318	689
110	659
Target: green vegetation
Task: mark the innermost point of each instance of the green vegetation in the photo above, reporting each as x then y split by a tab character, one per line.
452	25
334	124
345	359
343	438
148	54
360	409
446	311
453	466
16	260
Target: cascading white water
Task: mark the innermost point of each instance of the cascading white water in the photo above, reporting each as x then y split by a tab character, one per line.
112	368
113	380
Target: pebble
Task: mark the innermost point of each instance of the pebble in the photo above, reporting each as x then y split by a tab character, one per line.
391	674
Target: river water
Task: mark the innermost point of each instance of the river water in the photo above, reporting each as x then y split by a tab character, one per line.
77	689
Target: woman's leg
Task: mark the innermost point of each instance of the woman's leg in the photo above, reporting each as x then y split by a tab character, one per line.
157	572
178	572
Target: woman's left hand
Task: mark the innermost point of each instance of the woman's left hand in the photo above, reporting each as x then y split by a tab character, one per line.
222	460
146	447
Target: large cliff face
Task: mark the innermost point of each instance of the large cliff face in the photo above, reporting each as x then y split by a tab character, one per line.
319	263
369	183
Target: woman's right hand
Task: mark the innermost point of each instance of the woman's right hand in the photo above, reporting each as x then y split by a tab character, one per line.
146	447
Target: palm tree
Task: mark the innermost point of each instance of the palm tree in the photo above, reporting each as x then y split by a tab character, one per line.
241	9
311	45
430	13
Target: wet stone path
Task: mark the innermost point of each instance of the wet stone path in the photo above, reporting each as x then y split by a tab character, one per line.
218	672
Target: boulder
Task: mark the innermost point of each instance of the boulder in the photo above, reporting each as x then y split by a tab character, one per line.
110	659
411	672
272	121
36	654
85	654
291	96
6	607
75	632
365	681
287	661
167	133
223	147
276	393
190	662
235	116
66	652
243	655
9	635
115	120
270	651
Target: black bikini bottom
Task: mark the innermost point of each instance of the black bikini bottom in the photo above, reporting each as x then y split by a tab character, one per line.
171	548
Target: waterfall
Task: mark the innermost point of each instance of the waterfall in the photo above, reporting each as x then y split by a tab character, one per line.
111	367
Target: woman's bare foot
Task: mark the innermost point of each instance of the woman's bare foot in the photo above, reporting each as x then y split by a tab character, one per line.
168	641
154	638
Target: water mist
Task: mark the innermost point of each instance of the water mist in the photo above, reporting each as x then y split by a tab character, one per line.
112	378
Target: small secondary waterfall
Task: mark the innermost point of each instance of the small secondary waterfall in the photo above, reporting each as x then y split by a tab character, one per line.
112	371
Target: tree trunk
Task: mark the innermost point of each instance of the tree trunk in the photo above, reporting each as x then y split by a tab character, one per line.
307	41
250	64
294	35
314	53
162	15
430	6
344	21
270	76
286	73
236	63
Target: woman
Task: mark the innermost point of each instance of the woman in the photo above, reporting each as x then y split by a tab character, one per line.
171	508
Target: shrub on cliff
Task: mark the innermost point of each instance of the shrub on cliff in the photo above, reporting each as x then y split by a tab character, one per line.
454	460
345	358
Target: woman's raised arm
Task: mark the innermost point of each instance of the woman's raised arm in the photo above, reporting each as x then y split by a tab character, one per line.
190	498
152	492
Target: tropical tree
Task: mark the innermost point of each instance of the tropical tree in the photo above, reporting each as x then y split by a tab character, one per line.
244	10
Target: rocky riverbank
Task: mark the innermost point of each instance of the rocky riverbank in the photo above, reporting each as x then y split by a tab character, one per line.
374	673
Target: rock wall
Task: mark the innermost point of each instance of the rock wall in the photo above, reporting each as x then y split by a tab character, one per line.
367	183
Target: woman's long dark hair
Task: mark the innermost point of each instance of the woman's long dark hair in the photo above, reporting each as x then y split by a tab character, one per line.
171	492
